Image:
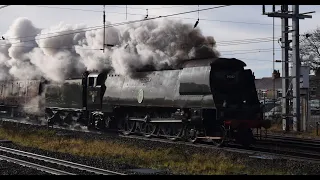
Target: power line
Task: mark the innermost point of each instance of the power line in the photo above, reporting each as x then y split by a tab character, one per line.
253	42
223	43
78	30
148	7
89	10
257	60
248	40
226	21
77	9
212	20
261	51
74	9
227	44
231	42
249	50
128	22
47	47
100	49
239	42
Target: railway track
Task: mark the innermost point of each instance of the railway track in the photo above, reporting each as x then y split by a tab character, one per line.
291	138
275	146
28	159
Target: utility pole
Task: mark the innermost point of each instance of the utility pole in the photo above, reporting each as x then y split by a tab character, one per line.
284	14
296	69
104	31
285	45
104	28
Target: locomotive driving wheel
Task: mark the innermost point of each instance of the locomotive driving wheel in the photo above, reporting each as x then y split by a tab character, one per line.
149	129
172	131
101	122
220	131
192	134
49	116
128	126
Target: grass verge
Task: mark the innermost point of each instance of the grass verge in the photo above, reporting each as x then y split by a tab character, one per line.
277	128
177	160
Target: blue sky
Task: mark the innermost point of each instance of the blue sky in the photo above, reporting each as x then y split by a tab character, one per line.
230	26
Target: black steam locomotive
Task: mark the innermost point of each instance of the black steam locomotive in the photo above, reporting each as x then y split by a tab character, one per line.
209	99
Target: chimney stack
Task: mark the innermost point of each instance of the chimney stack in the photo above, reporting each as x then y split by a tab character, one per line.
276	74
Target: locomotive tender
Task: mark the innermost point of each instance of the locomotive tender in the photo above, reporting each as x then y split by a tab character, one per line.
209	99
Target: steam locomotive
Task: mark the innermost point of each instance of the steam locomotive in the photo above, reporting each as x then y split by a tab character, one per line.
212	99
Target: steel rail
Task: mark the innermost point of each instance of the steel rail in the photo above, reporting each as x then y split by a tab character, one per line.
60	162
292	138
35	166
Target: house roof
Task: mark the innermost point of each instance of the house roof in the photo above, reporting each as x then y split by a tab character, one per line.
267	82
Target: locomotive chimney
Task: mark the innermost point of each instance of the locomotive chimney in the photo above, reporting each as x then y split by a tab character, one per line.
276	74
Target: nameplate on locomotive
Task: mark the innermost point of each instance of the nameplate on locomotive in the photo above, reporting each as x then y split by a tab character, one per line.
140	96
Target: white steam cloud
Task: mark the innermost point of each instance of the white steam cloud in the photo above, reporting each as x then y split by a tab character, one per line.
64	50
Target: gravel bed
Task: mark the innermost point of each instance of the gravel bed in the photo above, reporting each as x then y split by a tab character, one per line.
8	168
255	164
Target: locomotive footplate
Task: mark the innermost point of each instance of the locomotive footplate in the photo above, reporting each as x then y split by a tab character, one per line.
210	137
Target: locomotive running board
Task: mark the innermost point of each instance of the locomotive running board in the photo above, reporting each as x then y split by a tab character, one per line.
210	137
158	120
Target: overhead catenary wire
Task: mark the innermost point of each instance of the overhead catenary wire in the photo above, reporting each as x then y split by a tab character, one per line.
241	43
248	51
104	26
126	13
220	44
76	9
94	28
260	51
229	43
97	49
125	23
223	43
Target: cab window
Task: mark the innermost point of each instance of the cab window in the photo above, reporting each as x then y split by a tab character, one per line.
91	81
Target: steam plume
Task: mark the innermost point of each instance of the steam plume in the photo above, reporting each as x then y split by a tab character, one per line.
30	52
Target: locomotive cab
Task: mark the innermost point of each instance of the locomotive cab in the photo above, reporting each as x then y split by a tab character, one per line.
95	90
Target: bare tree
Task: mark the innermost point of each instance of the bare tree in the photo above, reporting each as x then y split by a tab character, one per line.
310	49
